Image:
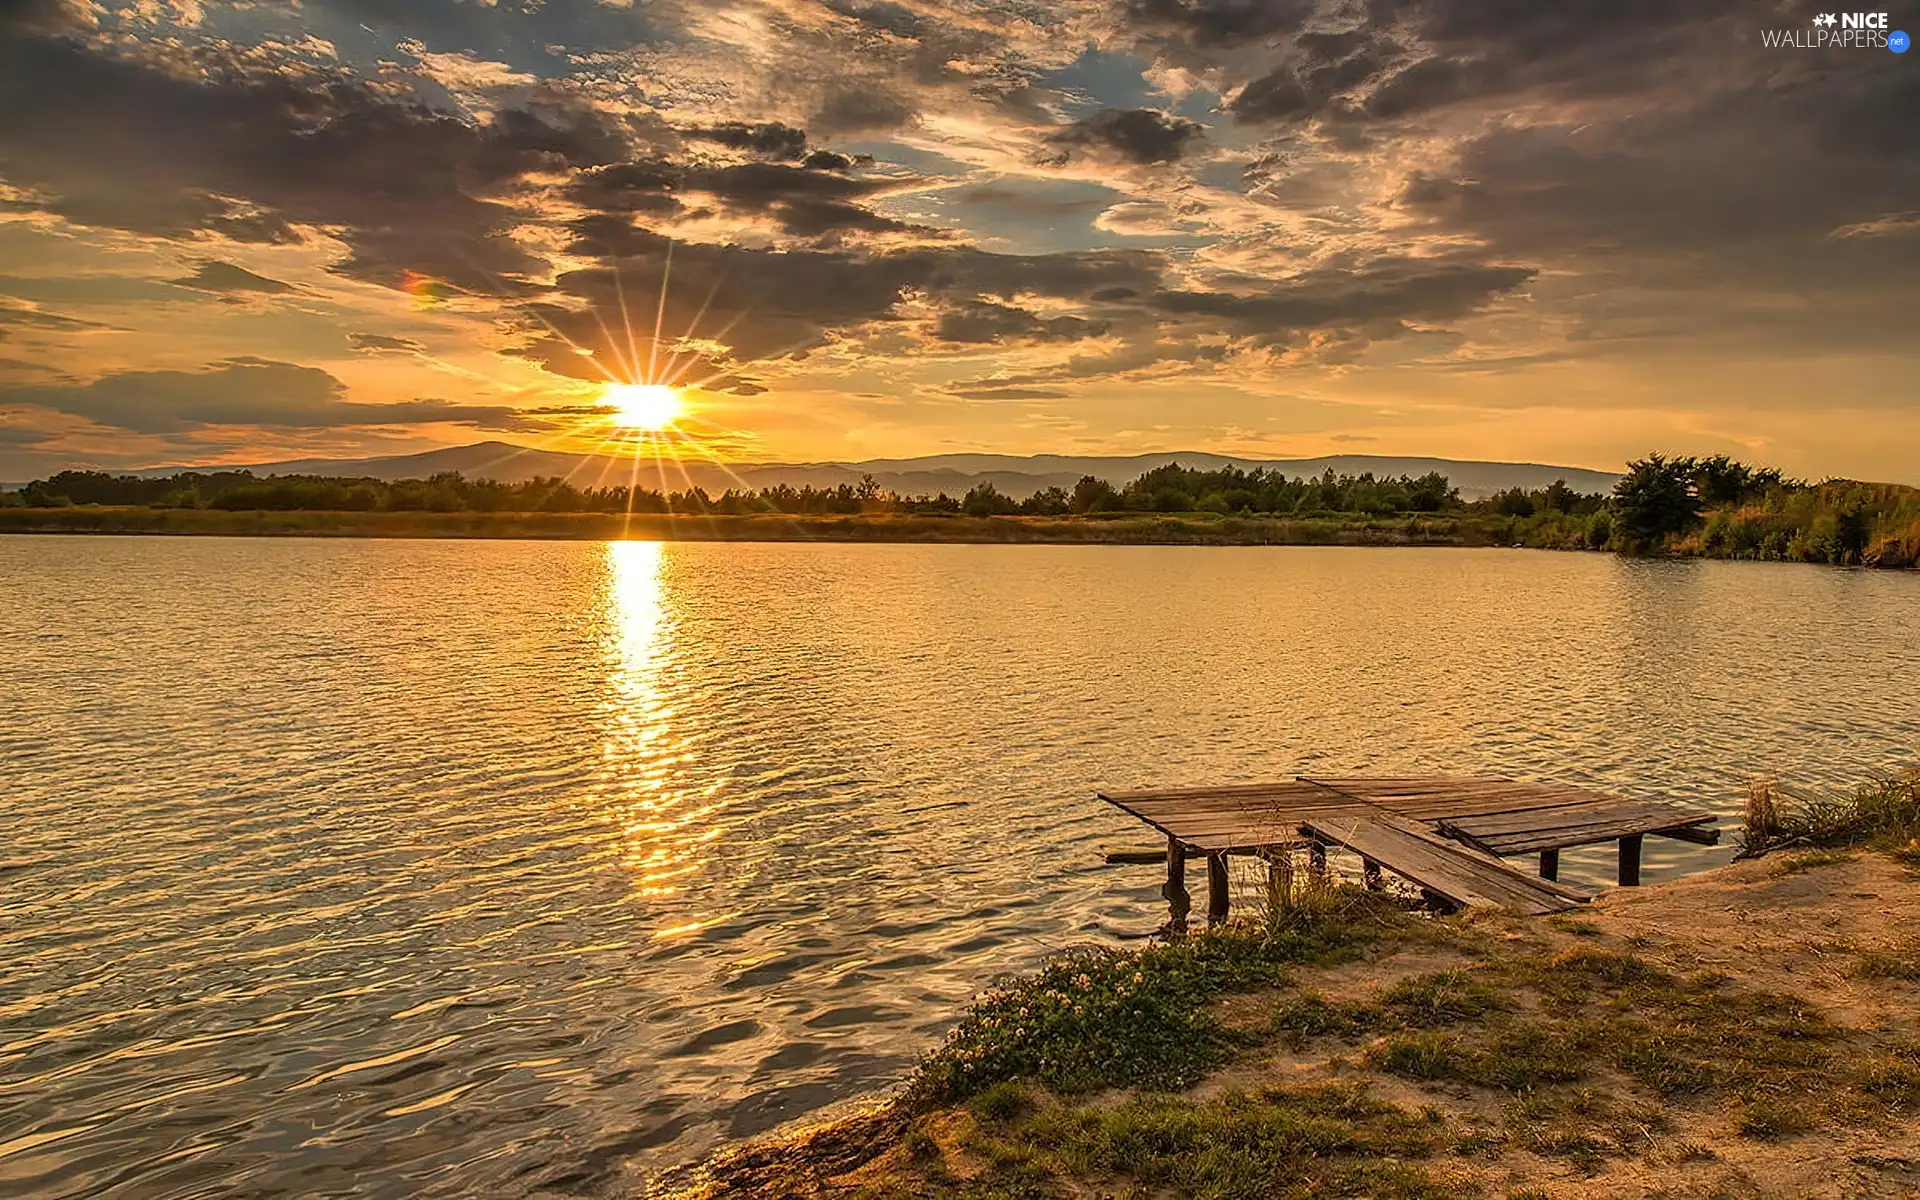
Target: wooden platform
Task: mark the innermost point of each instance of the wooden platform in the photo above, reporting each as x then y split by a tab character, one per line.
1446	834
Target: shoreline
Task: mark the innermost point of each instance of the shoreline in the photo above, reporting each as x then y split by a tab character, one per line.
1184	529
1690	1034
1126	529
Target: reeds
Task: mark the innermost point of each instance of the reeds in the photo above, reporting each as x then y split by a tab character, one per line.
1884	813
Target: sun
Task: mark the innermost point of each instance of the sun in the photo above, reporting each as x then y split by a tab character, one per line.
647	406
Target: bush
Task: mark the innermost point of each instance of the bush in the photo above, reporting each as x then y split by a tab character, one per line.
1600	530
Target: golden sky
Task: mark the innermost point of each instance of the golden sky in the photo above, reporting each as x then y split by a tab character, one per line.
1567	233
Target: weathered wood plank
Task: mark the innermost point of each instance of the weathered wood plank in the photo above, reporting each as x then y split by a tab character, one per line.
1575	816
1528	842
1699	835
1451	871
1281	787
1579	893
1571	815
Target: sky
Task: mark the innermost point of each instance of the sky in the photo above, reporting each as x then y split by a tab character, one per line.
1569	232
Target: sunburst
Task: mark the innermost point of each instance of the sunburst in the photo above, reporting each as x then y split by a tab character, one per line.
648	407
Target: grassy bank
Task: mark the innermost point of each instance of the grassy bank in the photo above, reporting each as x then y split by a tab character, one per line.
1745	1032
1183	529
1839	523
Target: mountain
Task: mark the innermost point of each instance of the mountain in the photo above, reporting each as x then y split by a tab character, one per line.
951	473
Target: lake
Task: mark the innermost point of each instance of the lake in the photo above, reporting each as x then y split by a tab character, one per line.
399	869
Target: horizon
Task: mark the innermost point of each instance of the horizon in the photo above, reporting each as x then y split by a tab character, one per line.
833	231
750	463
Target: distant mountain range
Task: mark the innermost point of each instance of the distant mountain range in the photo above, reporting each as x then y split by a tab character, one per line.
951	473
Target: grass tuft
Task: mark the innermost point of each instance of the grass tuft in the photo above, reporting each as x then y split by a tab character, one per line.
1002	1103
1443	998
1308	1015
1901	963
1799	864
1327	1141
1140	1018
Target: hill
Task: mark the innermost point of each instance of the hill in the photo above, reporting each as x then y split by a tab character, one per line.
1015	475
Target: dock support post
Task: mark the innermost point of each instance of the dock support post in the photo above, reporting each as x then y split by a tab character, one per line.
1549	864
1370	874
1630	860
1217	898
1280	878
1179	904
1317	857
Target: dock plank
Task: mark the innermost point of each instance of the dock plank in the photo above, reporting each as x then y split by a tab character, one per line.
1463	878
1445	833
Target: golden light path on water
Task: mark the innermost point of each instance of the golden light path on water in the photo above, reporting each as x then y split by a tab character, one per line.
665	820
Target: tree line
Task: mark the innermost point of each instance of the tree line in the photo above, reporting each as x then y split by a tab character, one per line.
1167	489
1720	508
1703	506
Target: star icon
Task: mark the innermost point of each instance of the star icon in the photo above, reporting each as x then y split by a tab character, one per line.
1825	19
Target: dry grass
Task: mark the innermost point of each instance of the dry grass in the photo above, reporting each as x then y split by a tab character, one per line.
1884	814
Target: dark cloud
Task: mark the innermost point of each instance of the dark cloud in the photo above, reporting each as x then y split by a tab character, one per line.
981	322
804	201
23	367
377	343
765	304
245	391
828	160
1214	23
874	108
1279	96
1025	202
1143	136
14	435
770	139
1411	57
44	18
885	17
171	143
15	314
1393	290
1007	393
630	187
225	277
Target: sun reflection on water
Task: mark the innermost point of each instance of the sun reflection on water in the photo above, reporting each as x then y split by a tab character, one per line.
646	778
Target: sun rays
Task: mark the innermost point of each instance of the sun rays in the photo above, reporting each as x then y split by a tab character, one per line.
649	407
650	416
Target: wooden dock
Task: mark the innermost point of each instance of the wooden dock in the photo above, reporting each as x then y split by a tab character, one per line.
1448	835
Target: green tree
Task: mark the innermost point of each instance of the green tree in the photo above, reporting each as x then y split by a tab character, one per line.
1655	500
1048	502
986	500
1514	502
1558	497
1092	495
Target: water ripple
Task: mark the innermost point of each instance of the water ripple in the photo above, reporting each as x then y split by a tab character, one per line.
399	869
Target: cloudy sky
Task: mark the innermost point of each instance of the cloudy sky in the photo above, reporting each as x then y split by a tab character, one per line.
1567	232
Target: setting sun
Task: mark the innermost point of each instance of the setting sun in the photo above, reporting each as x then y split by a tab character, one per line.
649	406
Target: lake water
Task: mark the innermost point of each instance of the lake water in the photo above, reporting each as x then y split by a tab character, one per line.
406	869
